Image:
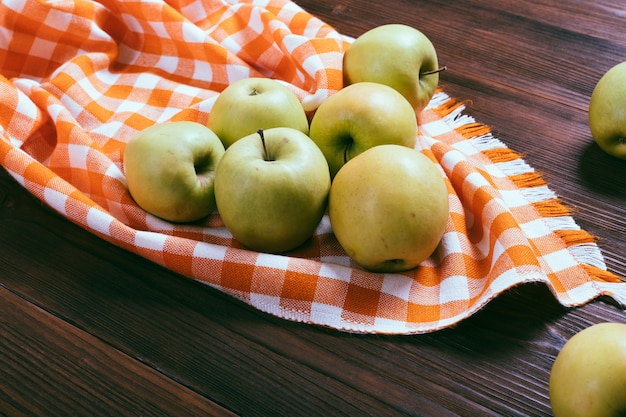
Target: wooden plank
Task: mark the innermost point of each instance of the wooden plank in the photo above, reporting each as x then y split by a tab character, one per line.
52	368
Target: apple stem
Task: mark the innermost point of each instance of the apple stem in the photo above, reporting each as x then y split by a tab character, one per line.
254	92
435	71
265	154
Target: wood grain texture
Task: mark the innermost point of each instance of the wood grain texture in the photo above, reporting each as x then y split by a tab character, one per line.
88	329
65	371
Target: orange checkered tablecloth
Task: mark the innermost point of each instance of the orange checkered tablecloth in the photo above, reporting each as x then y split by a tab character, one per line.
79	78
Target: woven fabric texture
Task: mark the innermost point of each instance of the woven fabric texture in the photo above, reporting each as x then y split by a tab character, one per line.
78	79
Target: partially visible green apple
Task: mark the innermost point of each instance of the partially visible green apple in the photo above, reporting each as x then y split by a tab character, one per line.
396	55
388	208
361	116
170	170
271	189
250	104
588	377
607	111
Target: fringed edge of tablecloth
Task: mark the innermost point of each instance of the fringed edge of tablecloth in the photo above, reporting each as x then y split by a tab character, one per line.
581	244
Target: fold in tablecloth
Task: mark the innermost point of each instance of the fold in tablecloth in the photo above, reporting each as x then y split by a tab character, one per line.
79	78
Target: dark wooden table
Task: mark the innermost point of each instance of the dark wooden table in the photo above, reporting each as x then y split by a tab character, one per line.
87	329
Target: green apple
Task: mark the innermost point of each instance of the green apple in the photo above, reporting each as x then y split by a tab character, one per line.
361	116
588	377
607	111
271	189
170	170
396	55
388	208
250	104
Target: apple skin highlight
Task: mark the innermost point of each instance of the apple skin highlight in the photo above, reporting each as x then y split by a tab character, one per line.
170	170
588	377
272	194
386	225
398	56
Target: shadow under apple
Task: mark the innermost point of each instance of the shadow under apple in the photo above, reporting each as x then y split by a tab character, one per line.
602	172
